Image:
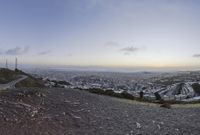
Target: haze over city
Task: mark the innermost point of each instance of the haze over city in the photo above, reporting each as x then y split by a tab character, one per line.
129	34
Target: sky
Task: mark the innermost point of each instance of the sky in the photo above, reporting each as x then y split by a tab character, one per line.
101	33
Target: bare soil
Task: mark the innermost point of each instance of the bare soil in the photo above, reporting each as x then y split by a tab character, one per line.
43	111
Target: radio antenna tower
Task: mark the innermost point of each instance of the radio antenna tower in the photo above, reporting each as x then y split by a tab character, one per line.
16	64
6	64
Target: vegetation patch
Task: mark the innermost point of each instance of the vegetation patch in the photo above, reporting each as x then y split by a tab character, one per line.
63	83
196	88
111	93
166	105
7	75
60	84
30	82
126	95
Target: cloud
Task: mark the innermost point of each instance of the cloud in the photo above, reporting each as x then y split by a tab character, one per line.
112	44
196	55
129	50
17	51
44	52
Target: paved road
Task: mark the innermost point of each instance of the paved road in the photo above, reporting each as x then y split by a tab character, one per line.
12	83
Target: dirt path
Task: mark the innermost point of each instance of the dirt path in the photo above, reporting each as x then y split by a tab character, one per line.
74	112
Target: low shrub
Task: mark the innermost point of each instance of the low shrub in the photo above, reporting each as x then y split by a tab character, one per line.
166	105
127	95
196	88
111	93
63	83
157	95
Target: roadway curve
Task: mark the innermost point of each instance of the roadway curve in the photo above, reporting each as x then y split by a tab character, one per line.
12	83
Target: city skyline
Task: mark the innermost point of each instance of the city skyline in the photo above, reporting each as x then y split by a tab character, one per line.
129	34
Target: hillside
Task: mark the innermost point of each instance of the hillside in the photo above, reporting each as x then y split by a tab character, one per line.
41	110
30	82
7	75
74	112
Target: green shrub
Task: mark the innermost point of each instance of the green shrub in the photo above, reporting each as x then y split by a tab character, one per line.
126	95
63	83
166	105
111	93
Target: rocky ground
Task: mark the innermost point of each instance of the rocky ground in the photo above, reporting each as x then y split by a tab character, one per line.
74	112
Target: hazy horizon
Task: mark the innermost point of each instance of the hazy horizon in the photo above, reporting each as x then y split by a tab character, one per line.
101	34
99	68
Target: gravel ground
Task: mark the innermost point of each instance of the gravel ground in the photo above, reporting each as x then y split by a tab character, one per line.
74	112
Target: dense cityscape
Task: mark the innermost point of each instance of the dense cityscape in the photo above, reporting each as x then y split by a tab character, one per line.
181	86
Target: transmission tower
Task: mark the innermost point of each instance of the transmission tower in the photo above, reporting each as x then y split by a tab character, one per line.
16	64
6	64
